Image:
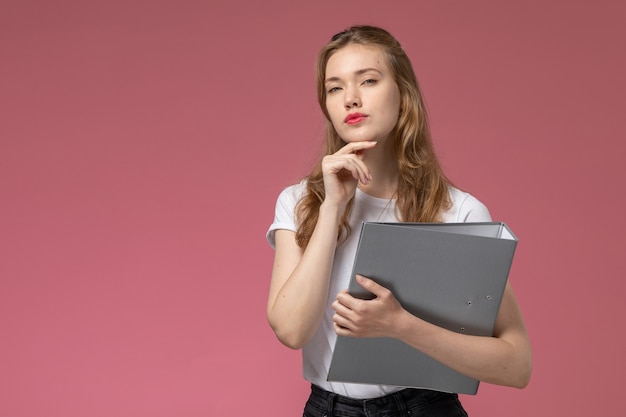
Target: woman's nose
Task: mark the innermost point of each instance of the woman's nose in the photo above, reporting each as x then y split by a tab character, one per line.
352	99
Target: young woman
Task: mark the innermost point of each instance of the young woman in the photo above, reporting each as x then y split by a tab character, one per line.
379	165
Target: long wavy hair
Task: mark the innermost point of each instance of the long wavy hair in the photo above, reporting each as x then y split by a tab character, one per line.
422	190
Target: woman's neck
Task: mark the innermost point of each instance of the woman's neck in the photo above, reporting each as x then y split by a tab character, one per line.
384	169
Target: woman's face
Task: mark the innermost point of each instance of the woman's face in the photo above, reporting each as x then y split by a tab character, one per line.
362	97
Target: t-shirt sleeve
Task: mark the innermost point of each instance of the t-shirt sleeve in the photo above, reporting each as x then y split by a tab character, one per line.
466	209
284	214
473	211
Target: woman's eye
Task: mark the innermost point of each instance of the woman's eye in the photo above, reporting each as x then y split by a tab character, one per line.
369	81
333	90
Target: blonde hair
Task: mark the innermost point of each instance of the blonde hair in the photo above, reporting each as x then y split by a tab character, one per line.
422	190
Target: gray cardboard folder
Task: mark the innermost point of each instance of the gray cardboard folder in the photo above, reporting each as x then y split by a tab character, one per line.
449	274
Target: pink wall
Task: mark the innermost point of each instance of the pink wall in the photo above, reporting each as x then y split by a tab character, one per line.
142	146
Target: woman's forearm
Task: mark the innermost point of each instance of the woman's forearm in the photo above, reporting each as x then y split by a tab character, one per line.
302	278
504	359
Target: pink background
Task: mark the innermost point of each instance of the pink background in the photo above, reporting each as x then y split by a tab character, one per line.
143	144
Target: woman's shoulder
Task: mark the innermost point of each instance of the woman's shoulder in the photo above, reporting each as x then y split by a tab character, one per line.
465	208
284	214
293	192
289	197
459	197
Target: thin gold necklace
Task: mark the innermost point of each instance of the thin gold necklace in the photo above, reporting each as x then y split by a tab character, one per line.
386	206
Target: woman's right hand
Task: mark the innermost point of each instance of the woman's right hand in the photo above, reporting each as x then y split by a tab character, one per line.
343	170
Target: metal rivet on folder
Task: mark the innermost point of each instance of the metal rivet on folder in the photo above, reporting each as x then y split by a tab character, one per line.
462	329
488	297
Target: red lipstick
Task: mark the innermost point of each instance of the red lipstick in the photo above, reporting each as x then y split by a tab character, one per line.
354	118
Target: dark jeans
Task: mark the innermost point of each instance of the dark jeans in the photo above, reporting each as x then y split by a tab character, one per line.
408	402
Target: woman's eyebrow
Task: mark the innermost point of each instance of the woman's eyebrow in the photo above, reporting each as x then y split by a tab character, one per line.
359	72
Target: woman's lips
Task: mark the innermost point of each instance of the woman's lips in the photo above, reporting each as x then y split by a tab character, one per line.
354	118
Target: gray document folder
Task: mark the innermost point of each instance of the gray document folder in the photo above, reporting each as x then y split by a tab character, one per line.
449	274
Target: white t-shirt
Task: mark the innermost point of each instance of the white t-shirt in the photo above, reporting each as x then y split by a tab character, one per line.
317	353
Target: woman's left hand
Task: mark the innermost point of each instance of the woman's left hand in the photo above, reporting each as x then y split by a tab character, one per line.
378	317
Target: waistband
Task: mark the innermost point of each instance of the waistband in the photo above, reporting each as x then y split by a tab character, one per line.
399	401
